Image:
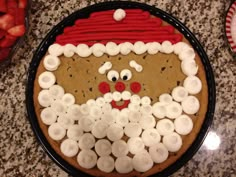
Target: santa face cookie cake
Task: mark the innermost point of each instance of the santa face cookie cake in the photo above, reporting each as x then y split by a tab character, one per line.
120	92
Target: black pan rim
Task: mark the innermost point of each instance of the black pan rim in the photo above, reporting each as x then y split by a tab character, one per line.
84	13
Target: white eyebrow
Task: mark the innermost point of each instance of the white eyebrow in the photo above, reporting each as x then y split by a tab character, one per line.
135	65
106	66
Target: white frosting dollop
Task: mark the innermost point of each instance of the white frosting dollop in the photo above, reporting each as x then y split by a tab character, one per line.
167	47
46	79
153	47
56	50
189	67
83	50
51	62
98	49
187	54
179	47
119	15
69	50
112	49
140	47
126	48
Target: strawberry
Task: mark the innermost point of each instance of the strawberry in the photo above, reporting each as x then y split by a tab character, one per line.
2	33
4	52
3	6
11	4
8	41
6	21
18	30
12	7
22	3
20	16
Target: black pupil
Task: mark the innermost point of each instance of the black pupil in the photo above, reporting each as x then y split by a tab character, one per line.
113	79
125	78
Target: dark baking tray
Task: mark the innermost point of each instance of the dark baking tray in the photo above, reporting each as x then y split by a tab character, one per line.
84	13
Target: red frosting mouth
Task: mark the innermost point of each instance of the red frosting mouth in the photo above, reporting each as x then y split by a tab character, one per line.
120	107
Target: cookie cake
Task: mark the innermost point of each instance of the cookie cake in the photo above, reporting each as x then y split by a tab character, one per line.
120	93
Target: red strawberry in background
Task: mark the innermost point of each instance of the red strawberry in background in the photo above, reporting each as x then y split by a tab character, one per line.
22	3
12	4
20	16
11	7
12	24
6	21
17	30
2	33
7	41
3	6
4	52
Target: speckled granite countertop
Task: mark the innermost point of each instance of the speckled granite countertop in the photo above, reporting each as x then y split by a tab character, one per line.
22	155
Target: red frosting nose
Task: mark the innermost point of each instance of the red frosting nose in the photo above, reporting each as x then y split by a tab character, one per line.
120	86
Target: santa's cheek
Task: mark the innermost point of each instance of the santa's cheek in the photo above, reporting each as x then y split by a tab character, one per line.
135	87
104	87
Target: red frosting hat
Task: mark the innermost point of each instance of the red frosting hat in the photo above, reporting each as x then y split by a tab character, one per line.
101	27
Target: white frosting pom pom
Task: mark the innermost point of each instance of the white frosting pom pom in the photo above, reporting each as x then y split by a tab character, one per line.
190	105
189	67
46	79
167	47
119	15
56	50
51	62
179	47
153	47
98	49
139	47
69	50
126	48
112	48
187	54
193	84
83	50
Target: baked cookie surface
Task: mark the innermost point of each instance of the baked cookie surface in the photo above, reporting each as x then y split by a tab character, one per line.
91	82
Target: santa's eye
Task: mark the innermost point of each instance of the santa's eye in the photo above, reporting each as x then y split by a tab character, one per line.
125	74
113	75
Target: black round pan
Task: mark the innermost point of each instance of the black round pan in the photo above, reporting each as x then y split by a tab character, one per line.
84	13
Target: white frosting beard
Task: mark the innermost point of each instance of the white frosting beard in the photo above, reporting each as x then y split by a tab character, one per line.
157	127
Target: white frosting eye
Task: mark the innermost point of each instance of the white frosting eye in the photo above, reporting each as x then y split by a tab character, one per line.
125	74
113	75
